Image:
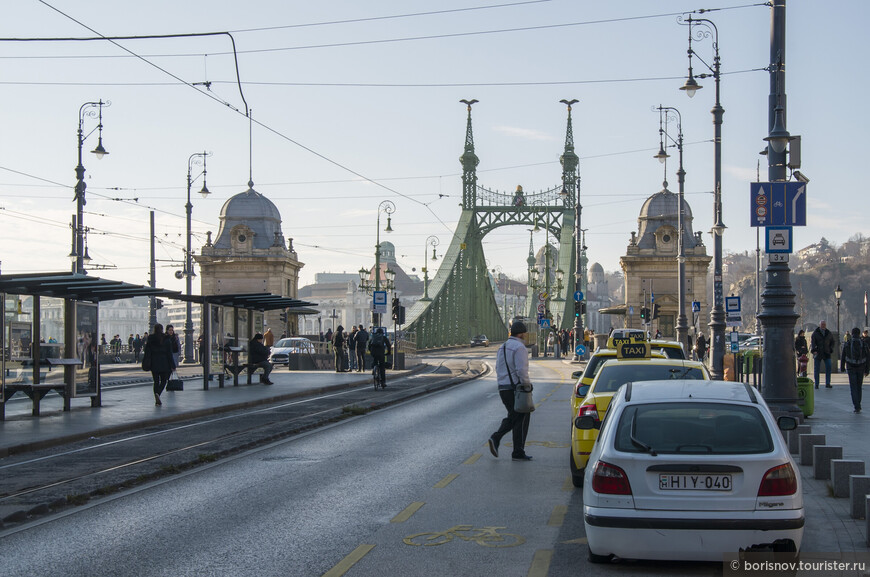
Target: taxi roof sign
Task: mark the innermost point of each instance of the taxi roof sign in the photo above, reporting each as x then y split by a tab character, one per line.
634	350
624	336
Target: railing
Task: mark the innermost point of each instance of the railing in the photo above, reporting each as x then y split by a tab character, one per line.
550	198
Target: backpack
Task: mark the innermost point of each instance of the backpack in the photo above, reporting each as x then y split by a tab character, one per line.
378	343
856	356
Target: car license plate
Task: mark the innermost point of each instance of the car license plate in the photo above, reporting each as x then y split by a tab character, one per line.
695	482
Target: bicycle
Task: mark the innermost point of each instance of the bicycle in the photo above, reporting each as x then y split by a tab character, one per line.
485	536
376	377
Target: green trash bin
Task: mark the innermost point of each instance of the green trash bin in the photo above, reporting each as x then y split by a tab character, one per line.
806	398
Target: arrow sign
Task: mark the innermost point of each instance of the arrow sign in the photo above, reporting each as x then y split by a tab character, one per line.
778	204
580	350
578	296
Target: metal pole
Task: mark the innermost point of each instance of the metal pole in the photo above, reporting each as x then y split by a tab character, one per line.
152	312
717	317
188	258
78	245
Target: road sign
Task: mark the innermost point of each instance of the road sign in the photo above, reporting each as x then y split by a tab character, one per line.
696	306
580	350
544	296
578	296
545	323
630	311
541	308
379	302
778	239
778	257
541	297
732	305
778	203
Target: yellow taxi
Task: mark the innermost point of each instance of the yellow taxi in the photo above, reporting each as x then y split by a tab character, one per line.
586	376
632	362
671	349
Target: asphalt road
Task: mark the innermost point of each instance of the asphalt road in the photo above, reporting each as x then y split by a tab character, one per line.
406	490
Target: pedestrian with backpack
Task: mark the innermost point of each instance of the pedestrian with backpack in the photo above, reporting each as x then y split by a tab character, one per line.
379	347
855	360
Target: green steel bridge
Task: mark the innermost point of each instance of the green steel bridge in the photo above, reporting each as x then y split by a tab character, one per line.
461	302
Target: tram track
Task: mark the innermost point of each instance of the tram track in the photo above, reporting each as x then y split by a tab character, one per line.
51	480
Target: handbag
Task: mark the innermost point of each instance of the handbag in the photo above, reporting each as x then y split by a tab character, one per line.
174	383
146	359
523	401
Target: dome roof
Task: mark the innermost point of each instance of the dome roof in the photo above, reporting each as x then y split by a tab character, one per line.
660	210
596	267
252	209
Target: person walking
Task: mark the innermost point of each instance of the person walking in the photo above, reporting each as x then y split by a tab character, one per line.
158	351
137	347
351	349
800	351
362	339
379	347
328	337
174	343
855	360
338	348
822	346
268	338
701	347
512	369
258	357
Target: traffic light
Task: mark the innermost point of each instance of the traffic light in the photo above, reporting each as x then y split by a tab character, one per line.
283	317
655	311
158	303
578	308
400	315
395	307
644	313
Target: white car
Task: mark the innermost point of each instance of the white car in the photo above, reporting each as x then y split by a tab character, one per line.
690	471
282	349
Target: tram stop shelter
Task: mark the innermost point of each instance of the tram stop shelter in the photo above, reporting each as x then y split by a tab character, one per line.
70	367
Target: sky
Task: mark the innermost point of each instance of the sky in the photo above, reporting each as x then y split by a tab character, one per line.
356	102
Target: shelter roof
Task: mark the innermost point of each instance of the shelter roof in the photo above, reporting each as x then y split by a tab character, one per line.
77	286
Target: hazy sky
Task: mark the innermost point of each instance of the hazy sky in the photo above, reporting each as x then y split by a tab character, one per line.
357	102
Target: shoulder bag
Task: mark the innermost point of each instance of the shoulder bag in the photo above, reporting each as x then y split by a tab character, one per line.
146	359
174	383
523	401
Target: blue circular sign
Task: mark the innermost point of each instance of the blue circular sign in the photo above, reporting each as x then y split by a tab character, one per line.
580	350
578	296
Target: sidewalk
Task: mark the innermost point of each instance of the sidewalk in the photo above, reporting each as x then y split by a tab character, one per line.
128	407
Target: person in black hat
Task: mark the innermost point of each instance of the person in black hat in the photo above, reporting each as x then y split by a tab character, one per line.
258	357
512	369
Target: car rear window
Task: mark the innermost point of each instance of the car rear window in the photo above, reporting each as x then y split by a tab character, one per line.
700	428
672	352
594	364
616	375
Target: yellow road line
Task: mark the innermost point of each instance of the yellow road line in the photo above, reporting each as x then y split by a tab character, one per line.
541	563
445	481
557	517
472	459
406	514
345	564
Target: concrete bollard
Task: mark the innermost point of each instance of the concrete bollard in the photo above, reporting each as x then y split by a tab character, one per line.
794	437
841	470
807	442
859	487
867	518
822	457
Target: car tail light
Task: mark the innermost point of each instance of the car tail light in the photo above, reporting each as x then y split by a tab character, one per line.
610	480
778	481
588	411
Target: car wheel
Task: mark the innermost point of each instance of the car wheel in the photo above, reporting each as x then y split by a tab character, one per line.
576	474
593	558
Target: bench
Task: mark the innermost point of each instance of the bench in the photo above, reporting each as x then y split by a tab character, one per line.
37	391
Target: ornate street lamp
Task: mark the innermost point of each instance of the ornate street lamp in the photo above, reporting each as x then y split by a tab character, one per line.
188	273
386	207
79	250
838	292
664	111
433	242
717	315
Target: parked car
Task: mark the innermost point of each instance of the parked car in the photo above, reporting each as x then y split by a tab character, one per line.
479	341
690	472
584	381
282	349
754	342
613	374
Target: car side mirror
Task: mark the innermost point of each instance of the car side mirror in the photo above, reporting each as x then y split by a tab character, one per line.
787	423
582	390
576	374
587	423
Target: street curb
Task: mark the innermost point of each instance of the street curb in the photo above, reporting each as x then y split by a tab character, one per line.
58	441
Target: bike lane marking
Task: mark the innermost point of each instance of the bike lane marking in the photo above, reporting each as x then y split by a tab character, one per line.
557	517
472	459
407	512
349	561
445	481
540	566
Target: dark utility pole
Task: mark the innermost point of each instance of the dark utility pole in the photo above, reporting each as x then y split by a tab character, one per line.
152	314
778	316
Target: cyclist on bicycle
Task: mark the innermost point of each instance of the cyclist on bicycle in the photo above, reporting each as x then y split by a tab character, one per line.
379	347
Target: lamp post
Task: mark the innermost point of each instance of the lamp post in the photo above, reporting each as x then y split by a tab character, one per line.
78	255
838	292
433	242
717	315
188	256
387	207
682	321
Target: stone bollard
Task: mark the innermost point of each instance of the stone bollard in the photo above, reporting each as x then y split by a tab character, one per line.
822	457
841	470
794	437
807	442
859	487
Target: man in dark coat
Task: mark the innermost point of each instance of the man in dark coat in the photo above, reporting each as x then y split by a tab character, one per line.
338	348
855	361
362	339
158	351
822	346
258	357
